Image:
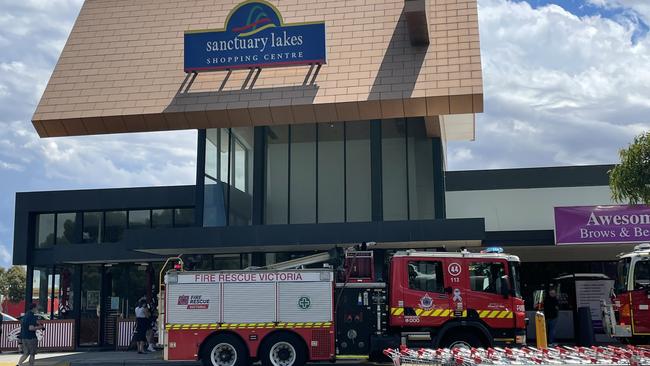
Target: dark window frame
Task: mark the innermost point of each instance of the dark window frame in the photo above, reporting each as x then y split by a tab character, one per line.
438	270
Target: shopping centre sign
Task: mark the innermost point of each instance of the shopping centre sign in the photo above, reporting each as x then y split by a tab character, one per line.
255	36
602	224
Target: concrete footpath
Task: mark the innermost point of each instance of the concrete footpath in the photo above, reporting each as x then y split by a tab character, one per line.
112	358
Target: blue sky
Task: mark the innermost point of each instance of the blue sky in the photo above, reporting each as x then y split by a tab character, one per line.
566	82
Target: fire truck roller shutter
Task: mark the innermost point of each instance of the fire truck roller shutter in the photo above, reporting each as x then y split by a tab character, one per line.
193	303
249	302
305	302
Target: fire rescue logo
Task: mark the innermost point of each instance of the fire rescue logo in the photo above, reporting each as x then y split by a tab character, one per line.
426	302
193	302
304	302
183	300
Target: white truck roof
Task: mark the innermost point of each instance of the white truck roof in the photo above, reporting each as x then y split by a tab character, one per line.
465	254
639	250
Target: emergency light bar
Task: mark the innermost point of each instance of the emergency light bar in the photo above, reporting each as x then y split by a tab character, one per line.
497	250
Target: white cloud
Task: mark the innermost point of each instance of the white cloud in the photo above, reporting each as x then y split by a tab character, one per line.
559	89
640	7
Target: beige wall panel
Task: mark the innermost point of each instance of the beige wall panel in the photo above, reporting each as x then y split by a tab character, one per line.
125	57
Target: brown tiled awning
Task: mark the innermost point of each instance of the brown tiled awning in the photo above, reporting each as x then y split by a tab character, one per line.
122	69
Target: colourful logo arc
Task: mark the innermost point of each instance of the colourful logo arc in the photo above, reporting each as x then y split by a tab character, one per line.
253	17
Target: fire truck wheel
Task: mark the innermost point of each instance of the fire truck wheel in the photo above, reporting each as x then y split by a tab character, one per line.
283	349
462	340
224	350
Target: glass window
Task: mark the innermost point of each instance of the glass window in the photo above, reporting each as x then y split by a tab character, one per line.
641	274
239	170
515	280
420	171
241	195
358	198
44	230
226	261
64	297
486	276
277	175
162	218
211	149
92	227
393	169
623	268
65	228
224	152
214	203
42	285
302	181
91	276
331	173
426	276
183	217
115	225
139	219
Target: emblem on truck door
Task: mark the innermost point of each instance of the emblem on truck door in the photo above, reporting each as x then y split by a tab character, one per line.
304	302
426	302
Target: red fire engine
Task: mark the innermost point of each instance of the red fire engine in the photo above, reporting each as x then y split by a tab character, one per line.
627	317
285	316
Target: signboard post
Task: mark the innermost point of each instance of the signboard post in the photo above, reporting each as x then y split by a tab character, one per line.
255	36
602	224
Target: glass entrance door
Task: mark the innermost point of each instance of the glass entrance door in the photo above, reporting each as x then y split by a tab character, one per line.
91	276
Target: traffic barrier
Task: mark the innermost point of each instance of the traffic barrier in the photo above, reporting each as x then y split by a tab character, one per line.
540	330
59	335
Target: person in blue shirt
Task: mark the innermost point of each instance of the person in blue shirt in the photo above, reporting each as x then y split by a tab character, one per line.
28	327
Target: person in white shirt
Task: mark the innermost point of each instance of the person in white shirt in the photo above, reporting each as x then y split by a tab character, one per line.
142	324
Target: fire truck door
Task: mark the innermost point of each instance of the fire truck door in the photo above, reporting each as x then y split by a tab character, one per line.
426	302
640	298
489	298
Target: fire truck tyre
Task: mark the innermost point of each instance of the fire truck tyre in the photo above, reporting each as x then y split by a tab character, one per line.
462	339
224	350
283	349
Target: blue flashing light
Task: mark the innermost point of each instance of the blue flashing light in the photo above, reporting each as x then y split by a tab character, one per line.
493	250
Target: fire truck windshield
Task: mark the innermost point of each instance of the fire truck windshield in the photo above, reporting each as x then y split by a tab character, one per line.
514	277
622	271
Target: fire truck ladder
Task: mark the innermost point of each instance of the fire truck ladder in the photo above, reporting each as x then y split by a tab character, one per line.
329	256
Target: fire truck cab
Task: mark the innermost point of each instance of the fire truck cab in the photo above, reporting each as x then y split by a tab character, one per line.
284	315
627	317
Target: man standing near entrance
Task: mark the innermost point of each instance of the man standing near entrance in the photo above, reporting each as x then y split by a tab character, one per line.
28	328
551	311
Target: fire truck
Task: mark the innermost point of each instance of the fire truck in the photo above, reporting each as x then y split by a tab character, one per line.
285	314
627	316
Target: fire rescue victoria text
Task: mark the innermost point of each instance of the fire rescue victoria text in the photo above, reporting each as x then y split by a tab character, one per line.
248	277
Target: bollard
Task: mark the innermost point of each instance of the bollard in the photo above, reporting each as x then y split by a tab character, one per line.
540	330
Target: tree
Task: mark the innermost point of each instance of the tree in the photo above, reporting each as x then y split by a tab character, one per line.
630	180
12	283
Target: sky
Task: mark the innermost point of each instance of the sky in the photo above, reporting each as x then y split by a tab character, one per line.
566	82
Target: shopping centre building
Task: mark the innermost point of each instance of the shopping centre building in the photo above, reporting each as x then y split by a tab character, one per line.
322	124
